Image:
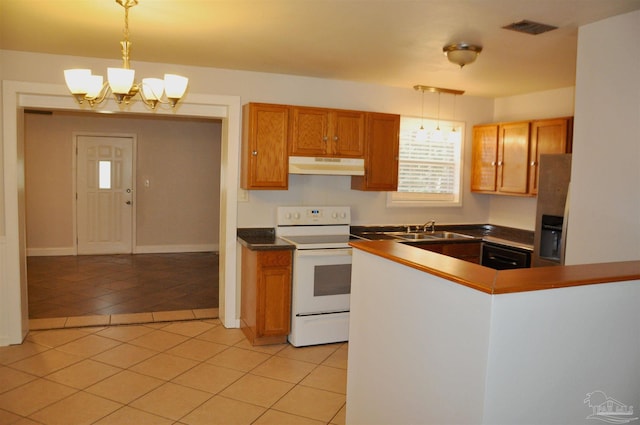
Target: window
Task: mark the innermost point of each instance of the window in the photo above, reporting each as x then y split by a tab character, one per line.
430	165
104	174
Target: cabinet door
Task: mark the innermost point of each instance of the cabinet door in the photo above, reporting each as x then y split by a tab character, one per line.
513	158
348	134
381	154
309	132
274	301
265	164
484	158
547	137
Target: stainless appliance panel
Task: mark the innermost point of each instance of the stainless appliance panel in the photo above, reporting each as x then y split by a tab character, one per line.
553	192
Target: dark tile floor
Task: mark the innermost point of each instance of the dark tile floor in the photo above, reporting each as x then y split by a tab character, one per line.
117	284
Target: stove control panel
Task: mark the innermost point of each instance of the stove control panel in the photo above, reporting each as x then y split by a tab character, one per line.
309	216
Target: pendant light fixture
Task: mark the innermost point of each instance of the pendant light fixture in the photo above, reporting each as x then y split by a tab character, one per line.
422	132
85	86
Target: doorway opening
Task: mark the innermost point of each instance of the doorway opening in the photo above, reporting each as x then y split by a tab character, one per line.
154	214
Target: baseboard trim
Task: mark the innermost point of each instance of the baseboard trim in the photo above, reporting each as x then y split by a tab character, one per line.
167	249
51	252
144	249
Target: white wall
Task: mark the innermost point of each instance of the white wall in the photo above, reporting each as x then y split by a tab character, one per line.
604	217
556	346
418	346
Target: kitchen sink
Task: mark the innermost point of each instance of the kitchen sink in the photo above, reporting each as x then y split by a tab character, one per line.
418	236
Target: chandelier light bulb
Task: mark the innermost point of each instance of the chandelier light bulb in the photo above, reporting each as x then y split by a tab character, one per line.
77	80
95	84
120	79
175	85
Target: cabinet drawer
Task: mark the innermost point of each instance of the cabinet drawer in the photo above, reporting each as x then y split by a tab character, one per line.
275	258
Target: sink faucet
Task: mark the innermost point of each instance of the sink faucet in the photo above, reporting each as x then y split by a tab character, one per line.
429	224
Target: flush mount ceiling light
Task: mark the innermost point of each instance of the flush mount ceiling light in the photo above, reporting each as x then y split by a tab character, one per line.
120	81
461	53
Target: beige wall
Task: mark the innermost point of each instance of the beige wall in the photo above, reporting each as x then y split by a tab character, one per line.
180	158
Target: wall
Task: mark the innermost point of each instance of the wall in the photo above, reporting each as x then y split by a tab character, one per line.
604	221
180	158
259	210
514	211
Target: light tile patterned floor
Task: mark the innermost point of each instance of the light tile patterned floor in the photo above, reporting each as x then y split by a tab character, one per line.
182	372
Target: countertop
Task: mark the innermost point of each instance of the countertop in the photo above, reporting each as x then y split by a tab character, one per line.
500	281
262	239
502	235
265	238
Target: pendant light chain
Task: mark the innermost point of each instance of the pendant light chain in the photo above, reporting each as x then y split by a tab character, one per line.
422	113
438	126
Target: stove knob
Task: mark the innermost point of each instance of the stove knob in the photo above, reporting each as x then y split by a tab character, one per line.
296	216
334	215
343	215
287	216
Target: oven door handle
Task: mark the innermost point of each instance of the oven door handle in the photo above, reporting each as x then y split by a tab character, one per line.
329	252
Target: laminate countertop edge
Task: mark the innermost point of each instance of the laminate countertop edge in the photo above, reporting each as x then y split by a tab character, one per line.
497	282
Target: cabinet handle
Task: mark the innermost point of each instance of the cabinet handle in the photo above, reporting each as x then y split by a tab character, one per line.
254	153
335	138
493	163
325	138
533	163
499	163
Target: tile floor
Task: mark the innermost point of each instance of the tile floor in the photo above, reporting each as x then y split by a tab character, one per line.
104	285
180	372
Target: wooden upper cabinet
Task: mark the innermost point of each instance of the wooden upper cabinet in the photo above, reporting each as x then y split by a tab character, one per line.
548	137
327	132
265	163
484	158
513	158
381	156
505	156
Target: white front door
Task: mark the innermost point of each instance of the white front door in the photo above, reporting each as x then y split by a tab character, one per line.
104	184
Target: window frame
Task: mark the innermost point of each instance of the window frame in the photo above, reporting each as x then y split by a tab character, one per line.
412	199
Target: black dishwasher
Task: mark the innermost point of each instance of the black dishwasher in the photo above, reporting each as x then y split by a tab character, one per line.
501	257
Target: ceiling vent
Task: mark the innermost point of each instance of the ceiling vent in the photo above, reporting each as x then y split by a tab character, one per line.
530	27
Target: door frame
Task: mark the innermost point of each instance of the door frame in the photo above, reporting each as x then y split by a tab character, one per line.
74	188
18	95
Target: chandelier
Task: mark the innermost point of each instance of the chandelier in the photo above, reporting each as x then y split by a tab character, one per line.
85	86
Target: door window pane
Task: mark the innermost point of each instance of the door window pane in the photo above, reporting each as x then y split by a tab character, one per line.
104	174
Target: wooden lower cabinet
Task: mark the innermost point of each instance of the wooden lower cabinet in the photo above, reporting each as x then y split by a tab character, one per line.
265	308
463	251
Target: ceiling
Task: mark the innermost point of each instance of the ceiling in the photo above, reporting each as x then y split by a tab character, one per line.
390	42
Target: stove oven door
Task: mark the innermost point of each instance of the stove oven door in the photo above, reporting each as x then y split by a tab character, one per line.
321	281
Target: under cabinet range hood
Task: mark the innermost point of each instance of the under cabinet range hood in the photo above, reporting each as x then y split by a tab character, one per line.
326	166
